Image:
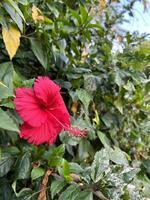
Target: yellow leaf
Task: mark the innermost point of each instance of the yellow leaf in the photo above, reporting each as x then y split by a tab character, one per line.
96	118
37	14
102	4
11	37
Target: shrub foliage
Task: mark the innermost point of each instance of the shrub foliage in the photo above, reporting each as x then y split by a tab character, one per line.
106	92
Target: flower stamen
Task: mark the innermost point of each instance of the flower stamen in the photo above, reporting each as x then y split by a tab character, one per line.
73	130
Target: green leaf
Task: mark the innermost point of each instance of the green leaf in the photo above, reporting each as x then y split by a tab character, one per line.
85	195
70	193
6	192
118	156
72	141
84	14
28	83
6	73
5	91
3	19
91	83
146	166
143	181
76	17
23	171
109	119
99	165
57	186
40	52
119	77
12	150
119	105
5	164
6	122
14	15
103	138
61	60
75	168
24	192
23	2
85	149
6	76
56	156
37	172
8	105
15	6
84	97
129	175
66	171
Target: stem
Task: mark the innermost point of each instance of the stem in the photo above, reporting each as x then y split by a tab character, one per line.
100	195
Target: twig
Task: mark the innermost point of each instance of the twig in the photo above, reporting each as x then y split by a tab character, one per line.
42	195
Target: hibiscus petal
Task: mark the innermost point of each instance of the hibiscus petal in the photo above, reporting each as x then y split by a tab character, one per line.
28	107
60	113
46	133
45	89
58	110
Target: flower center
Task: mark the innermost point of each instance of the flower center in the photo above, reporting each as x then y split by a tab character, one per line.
43	107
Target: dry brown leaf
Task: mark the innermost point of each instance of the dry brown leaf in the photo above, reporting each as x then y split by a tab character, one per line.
37	14
120	38
42	195
74	107
11	37
145	4
76	178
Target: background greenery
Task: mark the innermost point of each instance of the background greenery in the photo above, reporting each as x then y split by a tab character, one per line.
107	92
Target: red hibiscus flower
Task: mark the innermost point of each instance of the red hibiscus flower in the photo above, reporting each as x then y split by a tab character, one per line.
43	112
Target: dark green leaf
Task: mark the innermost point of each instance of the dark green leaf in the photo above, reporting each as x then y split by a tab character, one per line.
14	15
6	191
40	52
6	75
5	164
23	171
85	149
7	122
15	6
12	150
23	193
103	138
57	186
